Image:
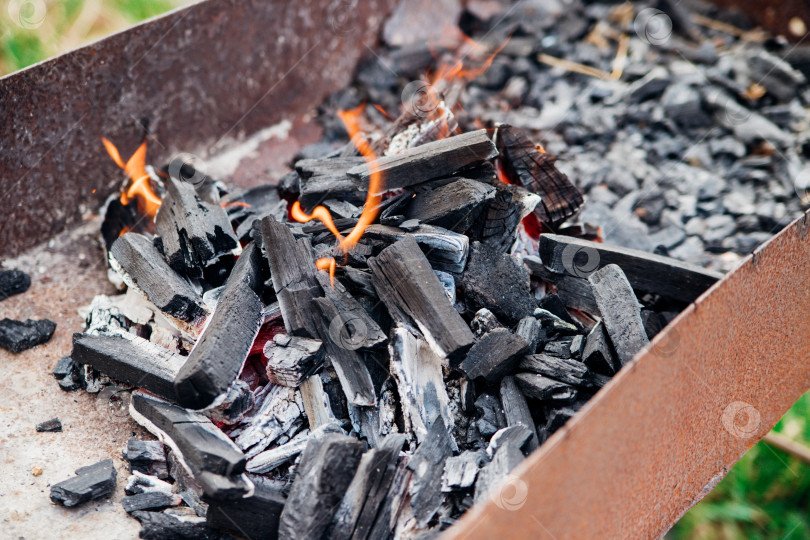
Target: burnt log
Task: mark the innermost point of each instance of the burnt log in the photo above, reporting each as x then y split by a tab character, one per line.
130	359
256	516
327	467
405	282
90	483
428	161
527	166
322	179
646	272
454	206
193	232
18	336
620	311
494	356
141	266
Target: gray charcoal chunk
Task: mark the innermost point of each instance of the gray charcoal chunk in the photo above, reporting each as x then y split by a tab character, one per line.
13	282
149	500
17	336
54	424
90	483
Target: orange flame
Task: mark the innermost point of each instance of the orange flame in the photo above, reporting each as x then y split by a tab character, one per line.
140	189
327	263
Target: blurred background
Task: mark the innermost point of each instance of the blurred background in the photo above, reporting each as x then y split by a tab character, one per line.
767	493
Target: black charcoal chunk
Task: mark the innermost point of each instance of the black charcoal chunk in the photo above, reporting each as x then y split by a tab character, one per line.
253	517
64	368
542	388
160	526
565	370
427	464
90	483
484	321
13	282
494	356
149	500
54	424
531	330
597	354
17	336
516	409
291	359
454	206
148	457
491	415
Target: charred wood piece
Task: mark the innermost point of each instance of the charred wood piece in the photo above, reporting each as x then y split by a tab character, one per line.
498	224
454	206
221	351
322	179
565	370
531	330
256	516
268	460
428	161
139	482
494	356
18	336
232	406
499	282
214	461
491	415
65	367
507	455
193	232
574	292
516	409
327	467
447	251
597	353
427	464
542	388
90	483
291	359
147	457
460	471
278	412
130	359
149	500
356	327
484	321
316	403
141	266
162	526
525	165
405	282
54	424
620	310
13	282
646	272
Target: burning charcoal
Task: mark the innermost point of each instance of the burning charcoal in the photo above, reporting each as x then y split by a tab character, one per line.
194	233
565	370
427	464
446	251
506	457
428	161
527	166
620	312
232	407
417	371
646	272
407	285
484	321
325	472
358	510
499	282
13	282
54	424
460	471
17	336
255	517
492	417
291	359
90	483
161	526
147	457
454	206
130	359
517	410
221	351
494	356
139	482
531	330
214	460
541	388
497	227
149	500
268	460
142	267
356	327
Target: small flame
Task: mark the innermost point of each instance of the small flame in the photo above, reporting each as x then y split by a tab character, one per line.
140	189
327	263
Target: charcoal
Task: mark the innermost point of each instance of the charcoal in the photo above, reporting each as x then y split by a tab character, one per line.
139	482
256	516
506	457
561	348
90	483
161	526
64	368
277	413
147	457
499	282
427	464
518	436
291	359
446	251
576	346
778	77
17	336
143	268
326	178
232	406
361	503
747	126
13	282
356	328
565	370
54	424
542	388
527	166
407	285
574	292
130	359
327	468
194	233
454	206
149	500
682	104
417	371
498	224
221	351
516	410
620	312
651	85
270	459
554	305
646	272
71	382
494	356
484	321
461	471
392	504
212	458
492	416
316	403
428	161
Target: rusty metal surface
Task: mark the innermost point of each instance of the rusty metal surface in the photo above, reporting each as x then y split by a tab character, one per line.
202	78
659	436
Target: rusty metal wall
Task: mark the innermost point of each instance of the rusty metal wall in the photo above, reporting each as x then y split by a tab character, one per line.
217	70
662	433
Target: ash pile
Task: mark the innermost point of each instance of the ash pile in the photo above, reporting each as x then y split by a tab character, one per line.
370	345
